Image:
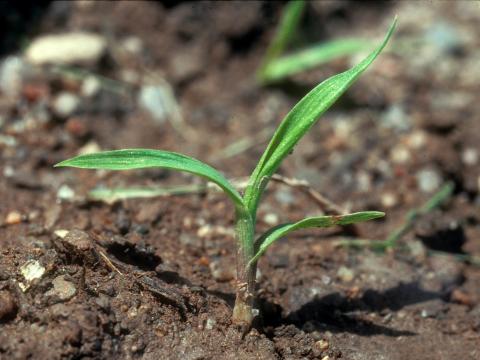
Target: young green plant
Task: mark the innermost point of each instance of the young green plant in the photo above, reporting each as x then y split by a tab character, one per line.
297	122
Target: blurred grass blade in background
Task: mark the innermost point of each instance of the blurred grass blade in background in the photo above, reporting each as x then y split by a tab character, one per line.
307	59
275	67
286	29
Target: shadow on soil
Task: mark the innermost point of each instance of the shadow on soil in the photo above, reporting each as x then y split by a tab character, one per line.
338	313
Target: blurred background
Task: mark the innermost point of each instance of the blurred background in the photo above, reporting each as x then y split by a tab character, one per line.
213	80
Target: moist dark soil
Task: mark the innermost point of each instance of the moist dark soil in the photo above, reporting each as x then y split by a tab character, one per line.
153	278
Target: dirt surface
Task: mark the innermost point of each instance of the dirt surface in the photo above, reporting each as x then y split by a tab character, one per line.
153	278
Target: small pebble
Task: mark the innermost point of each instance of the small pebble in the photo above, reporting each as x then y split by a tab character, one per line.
132	44
89	148
79	240
61	233
13	217
470	156
271	219
345	274
210	323
158	100
67	48
322	344
90	86
400	154
65	192
461	297
62	289
395	118
65	104
8	306
222	271
12	71
428	180
416	139
388	200
32	270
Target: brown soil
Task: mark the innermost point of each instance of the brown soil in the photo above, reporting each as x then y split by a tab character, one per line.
153	278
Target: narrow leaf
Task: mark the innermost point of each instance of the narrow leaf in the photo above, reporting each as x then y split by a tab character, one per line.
306	59
288	24
111	195
268	238
299	120
145	158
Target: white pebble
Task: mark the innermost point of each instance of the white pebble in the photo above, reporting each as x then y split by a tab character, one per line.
470	156
70	48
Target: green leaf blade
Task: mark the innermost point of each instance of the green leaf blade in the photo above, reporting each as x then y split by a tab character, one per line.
299	120
306	59
145	158
280	231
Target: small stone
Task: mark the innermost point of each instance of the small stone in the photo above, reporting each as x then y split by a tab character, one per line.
91	86
470	156
11	75
8	306
271	219
52	214
395	118
400	154
461	297
416	139
132	44
364	181
190	240
65	192
417	249
78	240
388	200
222	271
322	344
428	180
158	100
89	148
326	357
150	213
69	48
62	289
210	323
65	104
13	217
61	233
32	270
345	274
326	280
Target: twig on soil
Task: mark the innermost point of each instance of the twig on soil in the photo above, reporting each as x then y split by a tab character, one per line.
109	262
325	204
244	144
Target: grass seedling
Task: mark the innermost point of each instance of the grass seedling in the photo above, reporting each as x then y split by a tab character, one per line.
277	66
249	249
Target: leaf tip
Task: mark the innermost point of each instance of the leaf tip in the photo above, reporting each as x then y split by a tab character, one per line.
376	214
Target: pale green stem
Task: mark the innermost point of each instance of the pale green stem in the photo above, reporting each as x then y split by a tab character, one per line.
245	291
